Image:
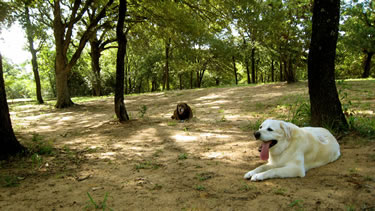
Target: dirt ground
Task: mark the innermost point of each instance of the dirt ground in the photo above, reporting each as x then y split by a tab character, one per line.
154	163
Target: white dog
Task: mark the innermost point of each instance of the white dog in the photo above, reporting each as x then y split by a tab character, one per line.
291	150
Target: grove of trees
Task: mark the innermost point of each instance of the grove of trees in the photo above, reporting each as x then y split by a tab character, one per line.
86	47
177	45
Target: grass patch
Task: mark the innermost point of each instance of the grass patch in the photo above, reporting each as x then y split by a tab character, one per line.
252	125
98	205
299	112
9	181
296	203
200	188
204	176
247	187
171	123
147	165
183	156
40	146
142	111
280	191
365	126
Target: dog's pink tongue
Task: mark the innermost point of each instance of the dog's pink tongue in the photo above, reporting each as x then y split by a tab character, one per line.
264	153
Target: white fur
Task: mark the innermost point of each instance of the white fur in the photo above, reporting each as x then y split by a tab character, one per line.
297	150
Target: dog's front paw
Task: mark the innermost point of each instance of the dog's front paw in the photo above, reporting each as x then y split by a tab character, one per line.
249	174
258	177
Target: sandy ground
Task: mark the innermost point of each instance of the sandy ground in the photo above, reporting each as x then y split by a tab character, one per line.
154	163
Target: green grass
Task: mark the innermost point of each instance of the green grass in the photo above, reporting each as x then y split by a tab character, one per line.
142	111
40	146
365	126
200	188
171	123
9	181
296	203
247	187
183	156
98	205
280	191
204	176
252	125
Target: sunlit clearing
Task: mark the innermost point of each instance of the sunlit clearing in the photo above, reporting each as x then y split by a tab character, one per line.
108	155
209	97
214	155
182	138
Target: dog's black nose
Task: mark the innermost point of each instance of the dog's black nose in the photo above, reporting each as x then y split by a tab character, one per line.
257	134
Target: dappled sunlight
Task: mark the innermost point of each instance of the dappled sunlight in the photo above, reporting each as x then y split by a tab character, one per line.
108	155
209	97
184	138
154	155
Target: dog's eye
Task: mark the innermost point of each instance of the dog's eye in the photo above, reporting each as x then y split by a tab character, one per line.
269	129
260	127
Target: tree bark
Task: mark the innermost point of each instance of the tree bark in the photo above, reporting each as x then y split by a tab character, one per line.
120	108
166	70
235	69
326	107
289	71
281	70
62	90
246	62
95	65
272	71
253	77
191	79
367	64
9	144
29	33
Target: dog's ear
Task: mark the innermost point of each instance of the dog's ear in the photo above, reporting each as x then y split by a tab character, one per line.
286	127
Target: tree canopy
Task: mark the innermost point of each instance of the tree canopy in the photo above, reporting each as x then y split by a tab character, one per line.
180	45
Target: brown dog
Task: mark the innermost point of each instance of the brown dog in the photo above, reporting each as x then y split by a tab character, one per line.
182	112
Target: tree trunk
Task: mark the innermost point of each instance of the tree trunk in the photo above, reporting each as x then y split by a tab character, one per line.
367	64
235	70
33	52
95	65
272	72
191	79
246	62
9	144
253	77
281	70
180	79
326	107
62	90
63	32
153	84
289	72
198	80
120	108
127	77
166	70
